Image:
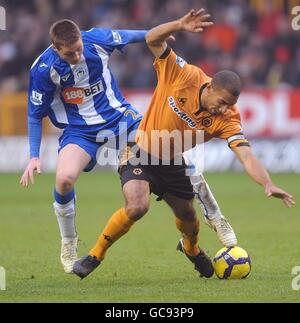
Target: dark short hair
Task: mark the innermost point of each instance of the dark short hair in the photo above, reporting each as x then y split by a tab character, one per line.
229	81
64	33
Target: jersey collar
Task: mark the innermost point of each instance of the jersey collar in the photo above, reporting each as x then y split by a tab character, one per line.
201	109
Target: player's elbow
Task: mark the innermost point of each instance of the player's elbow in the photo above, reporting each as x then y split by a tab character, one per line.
149	38
151	41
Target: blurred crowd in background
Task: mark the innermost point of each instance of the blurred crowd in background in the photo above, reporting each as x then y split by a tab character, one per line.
252	37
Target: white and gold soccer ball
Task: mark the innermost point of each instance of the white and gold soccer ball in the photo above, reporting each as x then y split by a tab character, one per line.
232	263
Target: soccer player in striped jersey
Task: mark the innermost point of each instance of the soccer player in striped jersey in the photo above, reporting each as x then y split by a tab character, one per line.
185	99
72	84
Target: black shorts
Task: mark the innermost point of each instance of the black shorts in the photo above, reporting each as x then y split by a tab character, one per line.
163	179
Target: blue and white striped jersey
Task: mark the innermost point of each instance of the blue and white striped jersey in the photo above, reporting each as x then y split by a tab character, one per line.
85	94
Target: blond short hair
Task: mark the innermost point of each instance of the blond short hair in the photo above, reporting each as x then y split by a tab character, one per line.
64	33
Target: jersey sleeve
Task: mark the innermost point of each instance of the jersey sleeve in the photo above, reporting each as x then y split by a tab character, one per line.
170	67
232	131
40	94
114	39
35	136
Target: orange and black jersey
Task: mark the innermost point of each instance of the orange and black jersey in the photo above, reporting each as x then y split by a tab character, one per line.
175	105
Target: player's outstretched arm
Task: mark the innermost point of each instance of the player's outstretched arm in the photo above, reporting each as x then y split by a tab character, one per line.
34	165
259	174
194	21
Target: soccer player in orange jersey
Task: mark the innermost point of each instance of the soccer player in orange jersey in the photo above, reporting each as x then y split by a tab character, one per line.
185	99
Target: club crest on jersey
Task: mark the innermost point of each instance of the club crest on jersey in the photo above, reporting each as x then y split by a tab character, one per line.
80	73
207	122
76	95
180	61
36	98
182	102
137	171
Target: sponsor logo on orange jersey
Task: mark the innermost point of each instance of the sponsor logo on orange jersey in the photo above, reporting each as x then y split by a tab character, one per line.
182	115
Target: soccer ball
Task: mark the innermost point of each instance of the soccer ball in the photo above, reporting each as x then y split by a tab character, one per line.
232	263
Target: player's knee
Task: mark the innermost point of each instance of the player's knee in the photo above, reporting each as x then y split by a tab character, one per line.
65	182
135	211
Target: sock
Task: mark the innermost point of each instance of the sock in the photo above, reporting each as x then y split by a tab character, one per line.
117	226
65	211
205	198
190	231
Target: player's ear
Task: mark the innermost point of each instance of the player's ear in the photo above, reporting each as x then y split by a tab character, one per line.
55	48
209	87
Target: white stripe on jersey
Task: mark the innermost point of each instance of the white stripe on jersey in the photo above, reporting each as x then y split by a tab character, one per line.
55	77
87	109
113	101
59	109
57	105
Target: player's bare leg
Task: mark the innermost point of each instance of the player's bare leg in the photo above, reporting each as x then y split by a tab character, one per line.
136	193
188	224
212	212
72	160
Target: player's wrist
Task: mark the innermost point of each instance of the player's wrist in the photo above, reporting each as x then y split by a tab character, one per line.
179	25
268	184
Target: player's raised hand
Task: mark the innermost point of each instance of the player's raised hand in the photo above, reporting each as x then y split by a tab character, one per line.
195	21
33	166
287	199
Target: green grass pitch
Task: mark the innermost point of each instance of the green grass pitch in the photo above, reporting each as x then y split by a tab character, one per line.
144	265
